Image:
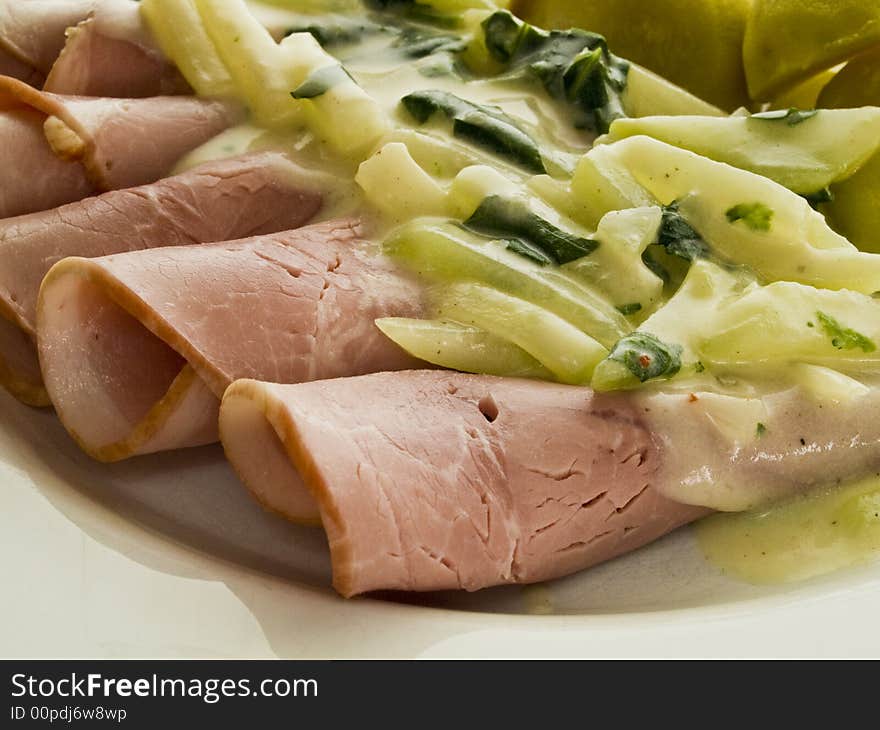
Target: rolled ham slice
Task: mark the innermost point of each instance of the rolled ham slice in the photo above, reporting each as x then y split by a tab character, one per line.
230	199
112	53
32	34
434	480
61	149
138	348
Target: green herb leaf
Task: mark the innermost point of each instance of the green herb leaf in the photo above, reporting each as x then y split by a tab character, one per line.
647	357
760	430
792	117
844	338
573	66
530	251
679	238
321	81
486	127
756	216
629	309
420	43
816	199
335	30
527	233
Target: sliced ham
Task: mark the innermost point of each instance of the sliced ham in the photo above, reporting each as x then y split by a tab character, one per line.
32	34
95	47
61	149
112	53
224	200
138	348
434	480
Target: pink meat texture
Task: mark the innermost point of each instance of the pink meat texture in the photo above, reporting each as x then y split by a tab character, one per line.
32	34
62	149
137	348
435	480
223	200
112	53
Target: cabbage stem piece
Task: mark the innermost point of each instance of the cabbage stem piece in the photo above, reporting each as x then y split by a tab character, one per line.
793	243
177	27
562	348
824	148
443	252
785	323
461	347
677	330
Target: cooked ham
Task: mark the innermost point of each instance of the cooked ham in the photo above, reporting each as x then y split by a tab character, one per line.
32	34
61	149
225	200
112	53
109	50
434	480
138	348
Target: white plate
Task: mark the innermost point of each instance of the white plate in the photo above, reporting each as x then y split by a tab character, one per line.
168	557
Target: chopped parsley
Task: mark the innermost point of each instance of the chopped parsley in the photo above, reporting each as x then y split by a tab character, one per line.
760	430
756	216
844	338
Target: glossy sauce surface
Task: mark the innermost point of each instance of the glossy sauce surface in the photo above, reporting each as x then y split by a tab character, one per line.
804	538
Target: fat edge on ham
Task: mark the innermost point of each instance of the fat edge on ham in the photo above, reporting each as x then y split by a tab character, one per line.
137	349
112	53
32	34
219	201
433	480
73	147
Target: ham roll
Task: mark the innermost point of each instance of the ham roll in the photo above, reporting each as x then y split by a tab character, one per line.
112	53
62	149
435	480
138	348
32	34
224	200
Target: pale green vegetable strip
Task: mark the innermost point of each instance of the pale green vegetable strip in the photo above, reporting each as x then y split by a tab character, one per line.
826	386
460	347
616	267
344	116
602	183
806	157
253	59
560	347
785	323
267	73
685	321
399	187
476	183
647	93
796	244
177	26
447	253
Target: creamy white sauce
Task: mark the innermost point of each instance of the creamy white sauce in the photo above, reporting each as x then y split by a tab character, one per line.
734	453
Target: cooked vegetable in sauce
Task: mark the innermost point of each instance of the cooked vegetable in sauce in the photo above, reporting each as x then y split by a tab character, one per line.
500	199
